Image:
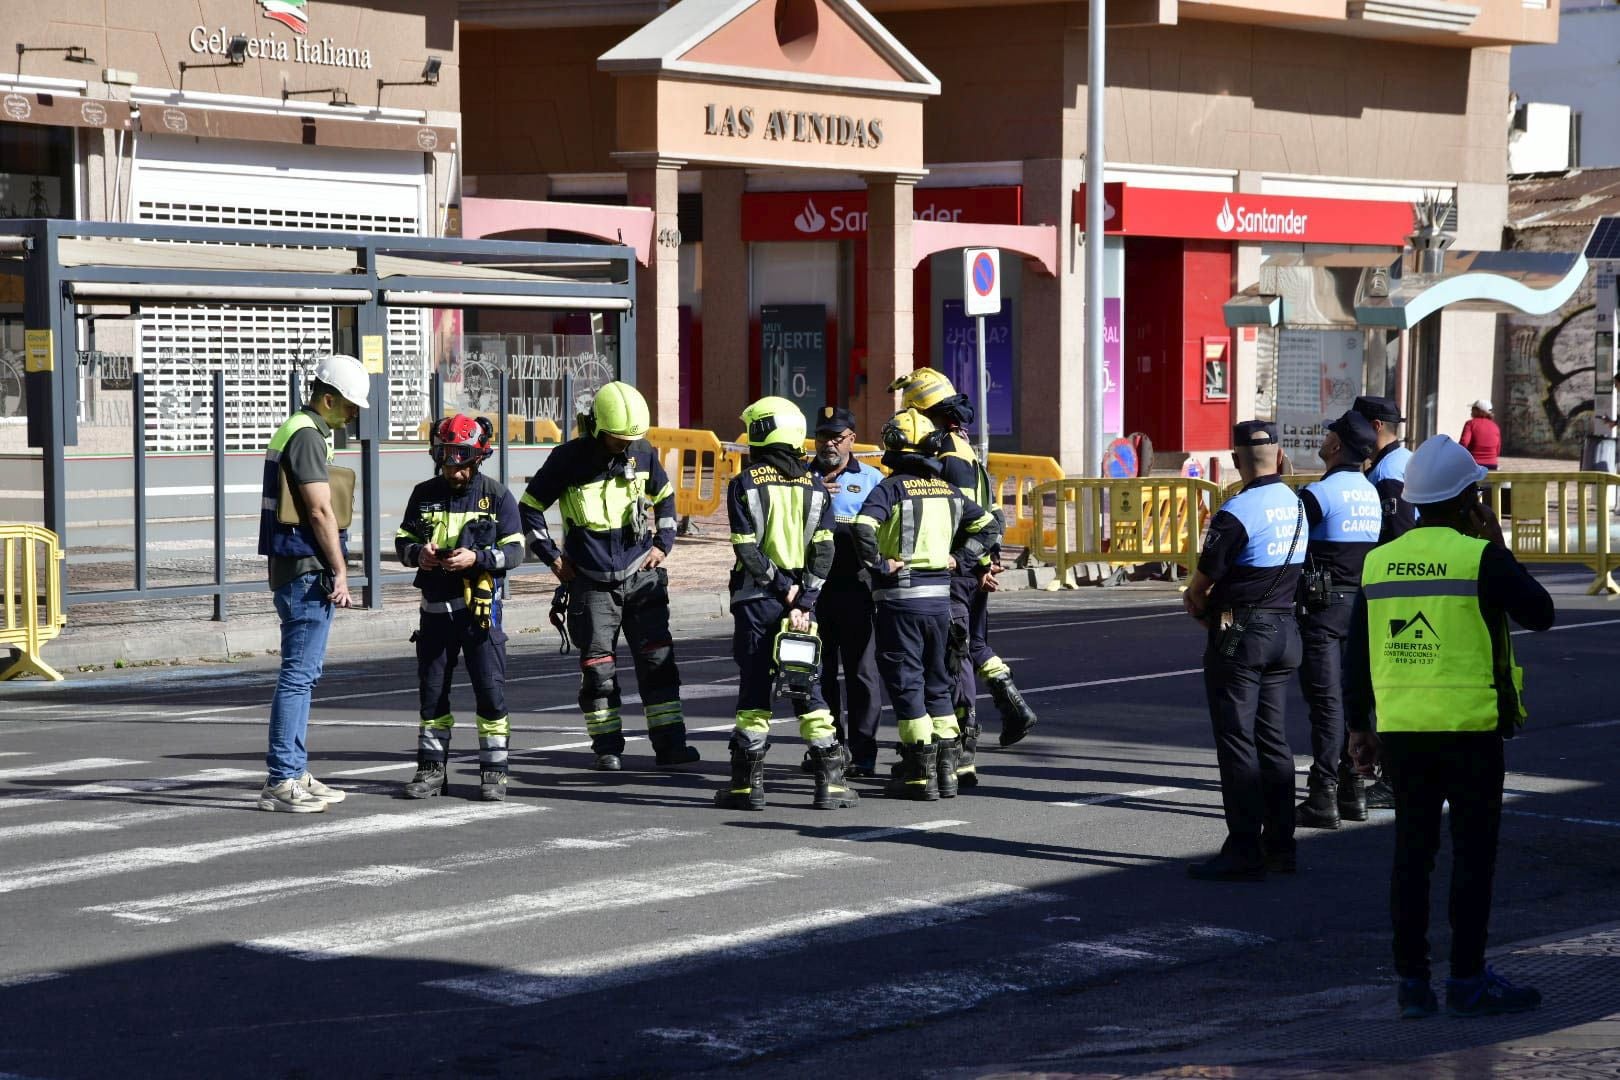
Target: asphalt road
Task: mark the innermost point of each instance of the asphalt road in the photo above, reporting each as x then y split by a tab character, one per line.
152	922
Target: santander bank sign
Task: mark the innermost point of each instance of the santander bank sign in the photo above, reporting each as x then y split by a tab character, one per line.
1213	215
1269	222
842	215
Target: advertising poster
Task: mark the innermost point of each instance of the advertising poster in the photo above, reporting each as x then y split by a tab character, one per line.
960	356
1113	366
1319	374
793	350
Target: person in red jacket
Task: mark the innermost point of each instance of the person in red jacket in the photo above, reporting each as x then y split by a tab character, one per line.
1481	437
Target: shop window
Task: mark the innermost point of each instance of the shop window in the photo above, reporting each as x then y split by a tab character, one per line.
36	171
13	401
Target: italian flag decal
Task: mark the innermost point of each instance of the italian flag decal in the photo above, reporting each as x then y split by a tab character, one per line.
290	13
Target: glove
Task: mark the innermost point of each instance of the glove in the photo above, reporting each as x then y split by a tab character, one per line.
479	593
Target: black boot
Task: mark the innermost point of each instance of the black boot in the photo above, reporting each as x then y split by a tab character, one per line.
492	785
945	765
831	791
1320	808
669	746
1016	715
1352	795
608	749
1380	796
428	781
917	780
967	774
746	791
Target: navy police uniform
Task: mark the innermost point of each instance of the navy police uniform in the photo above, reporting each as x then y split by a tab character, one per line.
844	611
1253	553
1342	512
1388	470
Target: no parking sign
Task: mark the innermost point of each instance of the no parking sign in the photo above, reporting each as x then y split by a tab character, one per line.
981	281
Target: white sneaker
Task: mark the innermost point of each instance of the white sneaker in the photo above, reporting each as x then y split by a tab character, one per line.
289	797
320	790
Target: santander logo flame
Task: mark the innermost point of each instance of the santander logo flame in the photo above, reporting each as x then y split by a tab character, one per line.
809	220
1224	221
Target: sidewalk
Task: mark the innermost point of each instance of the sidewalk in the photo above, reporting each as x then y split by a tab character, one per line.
1576	1032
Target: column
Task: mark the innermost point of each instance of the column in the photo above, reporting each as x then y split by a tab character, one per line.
725	302
1052	372
888	298
652	182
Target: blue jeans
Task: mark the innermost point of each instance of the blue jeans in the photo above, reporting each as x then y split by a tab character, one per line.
306	620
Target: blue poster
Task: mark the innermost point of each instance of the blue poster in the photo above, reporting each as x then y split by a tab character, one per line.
959	360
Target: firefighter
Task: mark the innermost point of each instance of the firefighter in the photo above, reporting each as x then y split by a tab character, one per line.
912	531
932	393
782	530
618	513
462	533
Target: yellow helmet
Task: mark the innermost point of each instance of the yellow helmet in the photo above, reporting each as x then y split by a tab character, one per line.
621	411
774	421
909	431
923	389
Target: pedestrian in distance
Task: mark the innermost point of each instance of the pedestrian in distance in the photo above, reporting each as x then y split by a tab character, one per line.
1481	436
463	535
1243	592
951	412
782	531
618	514
1342	513
1430	648
844	612
305	506
913	530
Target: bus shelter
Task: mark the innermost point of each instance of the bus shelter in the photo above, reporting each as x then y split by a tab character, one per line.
78	275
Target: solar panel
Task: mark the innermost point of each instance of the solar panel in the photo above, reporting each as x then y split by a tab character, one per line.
1605	242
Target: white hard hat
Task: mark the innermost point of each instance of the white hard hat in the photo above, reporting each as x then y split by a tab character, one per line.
1483	405
347	376
1440	470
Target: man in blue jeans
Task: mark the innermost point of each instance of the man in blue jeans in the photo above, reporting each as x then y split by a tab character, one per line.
308	572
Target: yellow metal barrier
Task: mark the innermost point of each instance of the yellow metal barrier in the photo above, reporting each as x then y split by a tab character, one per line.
1013	477
699	466
1148	519
1560	518
33	580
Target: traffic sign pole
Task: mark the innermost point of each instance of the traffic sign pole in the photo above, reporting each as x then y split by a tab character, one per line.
981	296
984	399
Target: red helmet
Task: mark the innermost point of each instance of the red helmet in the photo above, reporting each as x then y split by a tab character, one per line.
461	439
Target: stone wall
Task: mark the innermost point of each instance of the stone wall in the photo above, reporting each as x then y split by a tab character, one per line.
1548	362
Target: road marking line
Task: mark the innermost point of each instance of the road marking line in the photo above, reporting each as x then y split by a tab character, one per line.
1570	820
1121	796
15	753
315	831
28	979
208	777
89	764
532	984
110	823
884	834
366	936
903	1001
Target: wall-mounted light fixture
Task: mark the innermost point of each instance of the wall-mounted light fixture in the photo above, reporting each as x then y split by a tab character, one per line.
235	56
74	54
340	96
430	77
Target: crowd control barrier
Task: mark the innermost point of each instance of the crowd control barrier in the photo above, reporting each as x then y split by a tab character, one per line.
33	602
1560	518
1143	520
1013	479
699	466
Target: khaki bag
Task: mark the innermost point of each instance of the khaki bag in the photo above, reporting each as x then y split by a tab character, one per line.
342	484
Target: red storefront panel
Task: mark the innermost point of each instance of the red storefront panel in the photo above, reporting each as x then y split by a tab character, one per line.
1173	295
1214	215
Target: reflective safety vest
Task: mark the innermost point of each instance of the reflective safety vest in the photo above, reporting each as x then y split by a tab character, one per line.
288	541
924	516
787	513
1437	665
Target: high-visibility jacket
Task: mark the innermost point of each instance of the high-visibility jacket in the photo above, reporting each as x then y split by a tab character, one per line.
1437	663
288	541
615	508
922	521
482	518
782	532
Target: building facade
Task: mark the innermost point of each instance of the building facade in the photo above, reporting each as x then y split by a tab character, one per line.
1578	71
1235	130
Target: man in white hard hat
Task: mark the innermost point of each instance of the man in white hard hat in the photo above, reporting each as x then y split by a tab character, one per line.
1430	648
302	529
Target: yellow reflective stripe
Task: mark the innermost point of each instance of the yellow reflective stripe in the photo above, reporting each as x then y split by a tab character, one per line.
601	505
445	722
532	502
821	536
744	538
862	519
663	493
510	538
407	534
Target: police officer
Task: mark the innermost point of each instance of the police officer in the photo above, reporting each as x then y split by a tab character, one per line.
782	531
844	611
618	512
1343	514
910	531
1388	474
951	412
1430	645
1243	591
462	533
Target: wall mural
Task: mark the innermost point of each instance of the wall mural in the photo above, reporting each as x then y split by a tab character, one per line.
1548	411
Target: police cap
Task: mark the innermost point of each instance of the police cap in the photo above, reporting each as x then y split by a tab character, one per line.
1254	433
1378	408
1355	434
831	420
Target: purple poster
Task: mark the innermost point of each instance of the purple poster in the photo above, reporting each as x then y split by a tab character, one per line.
1113	367
959	359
